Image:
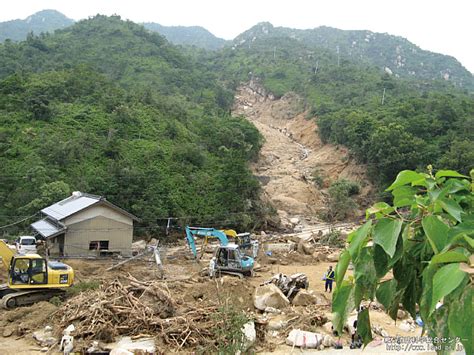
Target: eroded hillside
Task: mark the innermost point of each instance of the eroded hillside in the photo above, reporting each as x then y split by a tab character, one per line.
291	155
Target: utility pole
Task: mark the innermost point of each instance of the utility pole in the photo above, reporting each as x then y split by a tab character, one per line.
338	56
317	66
383	96
274	52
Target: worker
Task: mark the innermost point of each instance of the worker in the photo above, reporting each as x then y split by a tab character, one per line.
329	278
212	267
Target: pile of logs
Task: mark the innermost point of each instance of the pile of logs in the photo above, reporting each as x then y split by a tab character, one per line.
136	309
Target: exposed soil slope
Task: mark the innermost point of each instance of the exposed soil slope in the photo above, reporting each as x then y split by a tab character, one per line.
292	152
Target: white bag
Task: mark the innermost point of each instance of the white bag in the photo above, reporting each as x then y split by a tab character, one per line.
304	339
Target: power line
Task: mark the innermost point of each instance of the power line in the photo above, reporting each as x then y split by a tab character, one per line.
18	222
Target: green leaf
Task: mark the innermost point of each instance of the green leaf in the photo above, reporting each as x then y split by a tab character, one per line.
357	239
380	261
380	207
448	173
445	281
452	207
409	296
436	231
469	240
398	251
449	257
427	292
465	228
342	304
406	177
386	292
365	274
363	326
386	234
341	266
403	196
460	318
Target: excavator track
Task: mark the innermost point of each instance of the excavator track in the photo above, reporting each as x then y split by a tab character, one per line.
27	297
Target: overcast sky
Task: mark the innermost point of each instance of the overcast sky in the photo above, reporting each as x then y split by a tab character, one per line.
437	25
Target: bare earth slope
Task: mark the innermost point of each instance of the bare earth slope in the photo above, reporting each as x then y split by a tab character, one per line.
291	152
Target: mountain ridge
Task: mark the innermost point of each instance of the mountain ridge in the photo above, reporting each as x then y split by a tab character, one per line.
394	54
39	22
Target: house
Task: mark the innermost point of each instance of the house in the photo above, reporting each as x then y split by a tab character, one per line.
85	225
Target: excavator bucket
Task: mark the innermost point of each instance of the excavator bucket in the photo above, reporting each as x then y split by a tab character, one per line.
6	254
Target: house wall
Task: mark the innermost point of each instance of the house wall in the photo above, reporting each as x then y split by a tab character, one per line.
97	228
97	210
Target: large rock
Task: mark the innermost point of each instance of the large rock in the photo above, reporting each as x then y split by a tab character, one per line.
269	296
250	335
305	298
45	337
318	256
332	258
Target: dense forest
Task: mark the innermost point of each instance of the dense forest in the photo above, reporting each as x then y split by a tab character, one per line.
107	107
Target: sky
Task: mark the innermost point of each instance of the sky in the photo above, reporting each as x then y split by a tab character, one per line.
440	26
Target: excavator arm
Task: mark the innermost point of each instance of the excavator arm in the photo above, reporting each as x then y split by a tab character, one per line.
191	232
6	254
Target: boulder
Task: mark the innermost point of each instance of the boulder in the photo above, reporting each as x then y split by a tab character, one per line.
294	220
308	249
45	337
305	298
276	324
269	296
332	258
401	314
318	256
250	335
7	332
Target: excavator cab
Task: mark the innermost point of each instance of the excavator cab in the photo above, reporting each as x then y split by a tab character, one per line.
230	259
31	278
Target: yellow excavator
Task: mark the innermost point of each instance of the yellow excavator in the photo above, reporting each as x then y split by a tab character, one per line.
31	278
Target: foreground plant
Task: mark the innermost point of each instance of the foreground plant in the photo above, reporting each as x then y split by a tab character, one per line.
425	240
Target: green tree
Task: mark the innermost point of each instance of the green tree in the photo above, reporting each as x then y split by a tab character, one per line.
425	238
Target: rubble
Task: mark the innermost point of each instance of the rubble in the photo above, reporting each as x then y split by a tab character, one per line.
289	285
140	307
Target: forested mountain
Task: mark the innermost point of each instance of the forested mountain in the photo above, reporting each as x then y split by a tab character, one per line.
394	54
107	107
42	21
188	35
390	123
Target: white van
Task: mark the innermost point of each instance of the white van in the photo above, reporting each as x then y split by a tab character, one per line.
26	245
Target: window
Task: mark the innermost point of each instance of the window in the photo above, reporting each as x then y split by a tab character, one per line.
38	271
99	245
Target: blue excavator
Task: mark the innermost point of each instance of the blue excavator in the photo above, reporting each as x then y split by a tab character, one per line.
229	258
